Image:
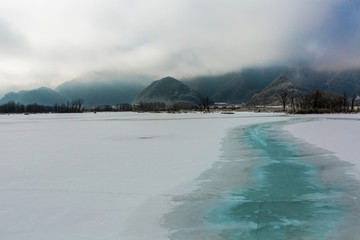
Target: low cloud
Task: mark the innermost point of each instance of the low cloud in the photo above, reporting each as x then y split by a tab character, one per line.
49	42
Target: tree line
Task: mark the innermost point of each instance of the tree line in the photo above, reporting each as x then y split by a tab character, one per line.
69	107
318	101
204	105
76	105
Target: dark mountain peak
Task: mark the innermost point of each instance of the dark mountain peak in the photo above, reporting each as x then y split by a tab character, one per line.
168	90
281	82
169	82
168	79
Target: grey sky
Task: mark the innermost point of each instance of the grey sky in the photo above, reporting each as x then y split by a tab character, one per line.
46	42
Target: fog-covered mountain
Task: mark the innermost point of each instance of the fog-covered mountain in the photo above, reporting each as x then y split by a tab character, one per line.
104	88
332	81
237	87
95	89
241	86
270	95
43	96
168	90
106	92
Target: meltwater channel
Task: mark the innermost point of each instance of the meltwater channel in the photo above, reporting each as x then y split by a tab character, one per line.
269	185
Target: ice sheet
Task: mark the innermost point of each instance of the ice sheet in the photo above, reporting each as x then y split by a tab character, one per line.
270	185
92	176
115	175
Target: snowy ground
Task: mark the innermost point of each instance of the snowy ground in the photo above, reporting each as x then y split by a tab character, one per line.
337	133
92	176
114	175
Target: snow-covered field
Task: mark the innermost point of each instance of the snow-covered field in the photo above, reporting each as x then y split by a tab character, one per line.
114	175
337	133
85	176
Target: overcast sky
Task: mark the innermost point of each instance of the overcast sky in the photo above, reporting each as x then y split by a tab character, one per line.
46	42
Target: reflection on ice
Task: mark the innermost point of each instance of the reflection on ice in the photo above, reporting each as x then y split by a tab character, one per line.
268	186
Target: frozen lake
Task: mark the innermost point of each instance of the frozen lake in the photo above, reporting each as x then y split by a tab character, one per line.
270	186
173	176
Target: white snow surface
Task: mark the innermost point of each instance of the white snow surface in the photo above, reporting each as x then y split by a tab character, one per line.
337	133
110	175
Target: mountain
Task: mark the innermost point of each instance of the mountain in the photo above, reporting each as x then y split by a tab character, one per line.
240	86
331	81
103	89
168	90
94	89
236	87
270	95
106	88
43	96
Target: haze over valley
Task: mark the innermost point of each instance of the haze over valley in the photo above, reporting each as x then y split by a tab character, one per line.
233	88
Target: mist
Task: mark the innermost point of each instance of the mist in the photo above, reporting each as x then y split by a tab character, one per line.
51	42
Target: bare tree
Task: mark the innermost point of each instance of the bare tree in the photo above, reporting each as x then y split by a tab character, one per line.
353	98
300	102
283	96
316	95
76	104
292	102
345	102
80	102
67	106
206	102
73	105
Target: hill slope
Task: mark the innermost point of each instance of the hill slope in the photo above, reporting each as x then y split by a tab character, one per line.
270	95
168	90
103	89
236	87
43	96
241	86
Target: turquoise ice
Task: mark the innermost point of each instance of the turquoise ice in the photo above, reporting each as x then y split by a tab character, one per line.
286	199
290	191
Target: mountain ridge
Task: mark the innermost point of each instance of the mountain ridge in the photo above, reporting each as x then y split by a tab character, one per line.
42	95
269	96
104	88
168	90
234	87
239	87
